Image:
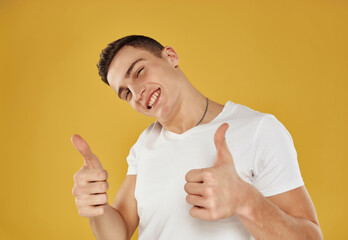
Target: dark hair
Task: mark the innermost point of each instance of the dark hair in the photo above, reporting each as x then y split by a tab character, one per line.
137	41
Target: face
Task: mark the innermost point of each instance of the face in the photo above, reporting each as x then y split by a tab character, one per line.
142	79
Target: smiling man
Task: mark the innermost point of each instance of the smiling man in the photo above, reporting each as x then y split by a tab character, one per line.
203	170
155	86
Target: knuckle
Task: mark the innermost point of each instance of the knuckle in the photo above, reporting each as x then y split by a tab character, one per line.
106	185
75	191
104	198
80	191
208	175
103	186
76	176
211	204
208	191
102	174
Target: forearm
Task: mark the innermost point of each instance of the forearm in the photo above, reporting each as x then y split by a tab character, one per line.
265	220
110	225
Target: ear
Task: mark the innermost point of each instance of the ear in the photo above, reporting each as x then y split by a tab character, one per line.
171	56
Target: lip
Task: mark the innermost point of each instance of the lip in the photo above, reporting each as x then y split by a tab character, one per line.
148	100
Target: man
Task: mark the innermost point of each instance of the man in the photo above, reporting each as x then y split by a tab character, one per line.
201	171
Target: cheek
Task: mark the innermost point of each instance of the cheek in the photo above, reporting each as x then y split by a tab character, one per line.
156	72
138	108
135	105
154	65
150	73
166	110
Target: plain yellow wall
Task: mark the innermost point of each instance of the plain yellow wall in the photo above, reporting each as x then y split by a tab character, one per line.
288	58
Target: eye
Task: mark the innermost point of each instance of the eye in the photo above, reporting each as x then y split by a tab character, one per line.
139	71
128	91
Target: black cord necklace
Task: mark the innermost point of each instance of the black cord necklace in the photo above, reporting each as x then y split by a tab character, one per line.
206	108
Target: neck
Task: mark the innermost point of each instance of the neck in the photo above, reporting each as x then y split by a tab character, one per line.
188	110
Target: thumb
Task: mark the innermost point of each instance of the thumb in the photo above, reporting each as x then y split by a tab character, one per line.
91	160
220	143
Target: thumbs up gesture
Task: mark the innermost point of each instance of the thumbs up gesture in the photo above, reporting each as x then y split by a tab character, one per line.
90	182
216	192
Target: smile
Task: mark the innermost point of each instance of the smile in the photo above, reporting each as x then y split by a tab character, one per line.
154	99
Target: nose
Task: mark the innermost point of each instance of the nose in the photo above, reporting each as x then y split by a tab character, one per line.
138	92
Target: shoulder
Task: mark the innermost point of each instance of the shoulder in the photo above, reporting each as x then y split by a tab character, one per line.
153	129
245	118
147	131
138	145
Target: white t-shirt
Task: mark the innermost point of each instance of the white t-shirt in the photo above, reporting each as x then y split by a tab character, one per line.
263	153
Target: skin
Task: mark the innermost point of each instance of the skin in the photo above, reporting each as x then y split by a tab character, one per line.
210	191
180	105
90	181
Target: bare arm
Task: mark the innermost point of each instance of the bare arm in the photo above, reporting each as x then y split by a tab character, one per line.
120	220
290	215
219	192
126	204
110	225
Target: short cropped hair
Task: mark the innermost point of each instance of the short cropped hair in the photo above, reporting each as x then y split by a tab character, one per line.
137	41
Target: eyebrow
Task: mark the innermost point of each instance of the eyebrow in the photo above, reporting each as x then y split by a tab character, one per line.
127	75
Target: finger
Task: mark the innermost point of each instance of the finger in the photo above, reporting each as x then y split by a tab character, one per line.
97	187
194	188
91	200
220	140
197	201
90	175
194	175
81	145
90	189
200	212
91	211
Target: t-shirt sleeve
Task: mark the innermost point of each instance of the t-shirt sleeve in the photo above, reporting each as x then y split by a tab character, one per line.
276	167
134	154
131	160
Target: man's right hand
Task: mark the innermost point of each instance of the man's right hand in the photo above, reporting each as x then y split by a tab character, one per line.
90	182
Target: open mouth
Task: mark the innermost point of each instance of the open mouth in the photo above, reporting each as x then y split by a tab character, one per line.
154	99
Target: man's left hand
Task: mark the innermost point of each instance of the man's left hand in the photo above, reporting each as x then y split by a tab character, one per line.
216	192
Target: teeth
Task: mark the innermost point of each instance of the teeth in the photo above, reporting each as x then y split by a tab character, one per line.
153	98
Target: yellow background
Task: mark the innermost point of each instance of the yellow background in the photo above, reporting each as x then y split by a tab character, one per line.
288	58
